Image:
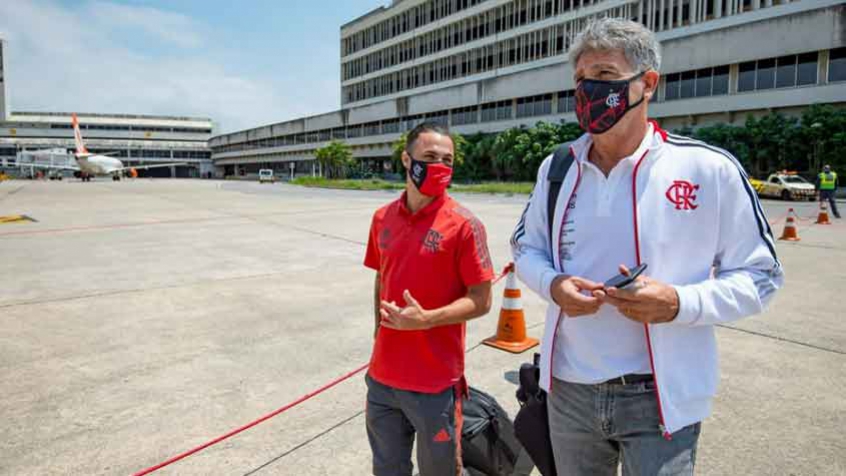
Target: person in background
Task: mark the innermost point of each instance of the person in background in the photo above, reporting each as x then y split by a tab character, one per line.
827	184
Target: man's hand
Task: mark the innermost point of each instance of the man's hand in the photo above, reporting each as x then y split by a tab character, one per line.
645	300
411	318
567	293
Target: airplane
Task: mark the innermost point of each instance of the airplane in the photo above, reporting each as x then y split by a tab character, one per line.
90	165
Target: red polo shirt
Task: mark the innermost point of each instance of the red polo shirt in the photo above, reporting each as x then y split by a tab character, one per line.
436	254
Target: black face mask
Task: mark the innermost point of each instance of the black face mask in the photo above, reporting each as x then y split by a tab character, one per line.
601	104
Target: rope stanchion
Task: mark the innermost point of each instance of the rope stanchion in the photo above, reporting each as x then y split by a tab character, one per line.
251	424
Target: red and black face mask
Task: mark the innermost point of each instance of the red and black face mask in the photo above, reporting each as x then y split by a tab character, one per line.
601	104
431	178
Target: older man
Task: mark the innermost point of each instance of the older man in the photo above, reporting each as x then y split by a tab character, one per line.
631	372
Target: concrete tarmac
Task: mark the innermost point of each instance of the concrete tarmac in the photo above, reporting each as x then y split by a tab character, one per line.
141	318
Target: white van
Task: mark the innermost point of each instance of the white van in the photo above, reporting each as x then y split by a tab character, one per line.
266	175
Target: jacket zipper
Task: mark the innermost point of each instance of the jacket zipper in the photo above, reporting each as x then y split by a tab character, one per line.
663	427
552	251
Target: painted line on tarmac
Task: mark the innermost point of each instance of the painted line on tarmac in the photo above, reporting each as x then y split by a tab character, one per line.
783	339
344	422
12	192
306	442
225	217
471	349
313	232
119	292
116	226
822	247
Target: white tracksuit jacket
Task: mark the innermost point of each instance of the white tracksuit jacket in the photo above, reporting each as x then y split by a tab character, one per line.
727	230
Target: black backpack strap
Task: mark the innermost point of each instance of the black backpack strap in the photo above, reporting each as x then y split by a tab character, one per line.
562	160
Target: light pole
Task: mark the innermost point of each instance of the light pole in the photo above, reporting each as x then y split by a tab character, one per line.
816	164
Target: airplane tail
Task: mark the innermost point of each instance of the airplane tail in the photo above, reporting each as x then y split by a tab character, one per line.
77	136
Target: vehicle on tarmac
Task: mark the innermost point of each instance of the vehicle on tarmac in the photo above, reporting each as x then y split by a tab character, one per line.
786	186
266	175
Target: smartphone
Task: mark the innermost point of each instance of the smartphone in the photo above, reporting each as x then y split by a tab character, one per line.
621	280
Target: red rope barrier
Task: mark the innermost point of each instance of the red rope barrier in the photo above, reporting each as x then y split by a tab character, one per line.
251	424
508	269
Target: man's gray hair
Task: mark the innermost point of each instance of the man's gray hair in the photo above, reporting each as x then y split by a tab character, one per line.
637	42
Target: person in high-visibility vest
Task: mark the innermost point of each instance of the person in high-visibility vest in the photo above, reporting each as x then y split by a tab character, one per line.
827	185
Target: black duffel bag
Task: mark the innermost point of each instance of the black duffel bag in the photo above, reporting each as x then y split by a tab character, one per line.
488	444
531	425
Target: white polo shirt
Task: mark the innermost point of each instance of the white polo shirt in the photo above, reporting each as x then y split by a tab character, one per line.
597	237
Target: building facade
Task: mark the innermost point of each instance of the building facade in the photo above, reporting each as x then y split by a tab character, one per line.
134	139
489	65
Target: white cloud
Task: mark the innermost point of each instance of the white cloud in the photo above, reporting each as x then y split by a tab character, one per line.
174	28
73	59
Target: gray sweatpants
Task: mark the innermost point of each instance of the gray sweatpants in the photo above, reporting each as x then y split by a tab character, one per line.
395	416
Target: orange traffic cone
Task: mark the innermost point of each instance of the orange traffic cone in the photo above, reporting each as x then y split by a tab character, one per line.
822	218
511	330
789	233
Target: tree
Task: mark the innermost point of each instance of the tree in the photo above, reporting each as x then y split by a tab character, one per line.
825	132
478	152
335	159
733	139
518	152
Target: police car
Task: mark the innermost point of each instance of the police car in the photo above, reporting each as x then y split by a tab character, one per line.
786	186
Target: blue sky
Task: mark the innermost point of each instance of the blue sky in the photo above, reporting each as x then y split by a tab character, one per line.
242	63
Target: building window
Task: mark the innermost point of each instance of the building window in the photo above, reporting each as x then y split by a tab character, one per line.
703	82
524	107
566	101
465	115
720	84
765	77
687	84
671	89
371	129
746	80
534	106
354	131
699	83
503	110
786	72
489	112
837	65
496	111
807	70
412	121
543	105
391	126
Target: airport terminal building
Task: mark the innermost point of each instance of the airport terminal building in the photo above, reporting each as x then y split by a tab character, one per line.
134	139
489	65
